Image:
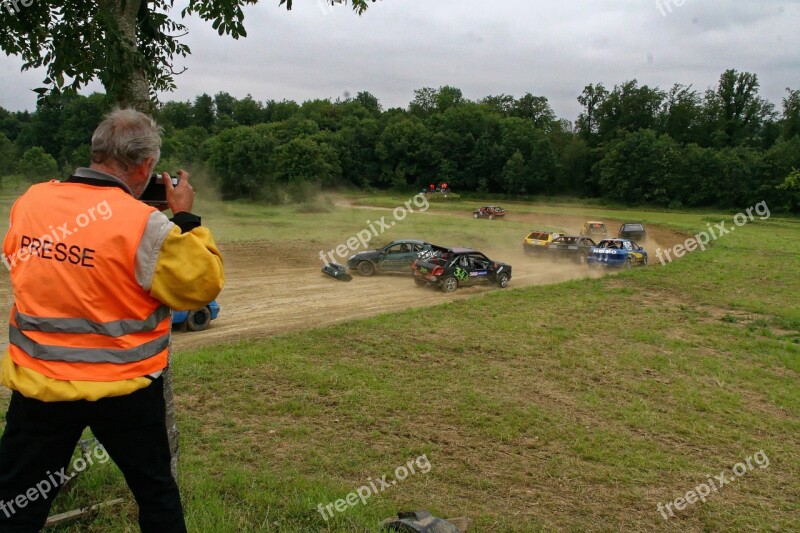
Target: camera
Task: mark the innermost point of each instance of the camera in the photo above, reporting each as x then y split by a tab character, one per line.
156	191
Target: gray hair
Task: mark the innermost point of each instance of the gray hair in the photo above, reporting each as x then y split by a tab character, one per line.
126	137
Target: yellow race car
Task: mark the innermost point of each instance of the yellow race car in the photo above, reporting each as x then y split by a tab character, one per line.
538	241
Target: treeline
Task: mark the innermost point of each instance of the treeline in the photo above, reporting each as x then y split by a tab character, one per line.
632	143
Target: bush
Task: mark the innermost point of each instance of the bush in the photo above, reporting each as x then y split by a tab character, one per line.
37	165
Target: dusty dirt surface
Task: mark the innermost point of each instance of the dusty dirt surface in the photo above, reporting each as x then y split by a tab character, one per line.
263	296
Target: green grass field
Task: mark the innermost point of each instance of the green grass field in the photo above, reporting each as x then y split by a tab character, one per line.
579	406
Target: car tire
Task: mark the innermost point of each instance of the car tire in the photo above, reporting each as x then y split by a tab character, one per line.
199	319
502	280
449	284
629	263
366	268
581	259
644	260
419	282
475	215
491	217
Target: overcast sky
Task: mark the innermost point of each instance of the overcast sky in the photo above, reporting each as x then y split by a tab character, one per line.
547	47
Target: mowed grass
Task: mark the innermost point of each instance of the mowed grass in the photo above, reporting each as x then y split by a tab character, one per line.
577	406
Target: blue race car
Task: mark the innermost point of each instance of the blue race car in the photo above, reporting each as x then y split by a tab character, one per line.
621	253
196	320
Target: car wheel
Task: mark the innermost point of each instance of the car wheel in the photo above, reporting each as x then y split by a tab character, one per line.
419	282
629	263
449	284
491	217
199	319
502	280
581	259
366	268
644	260
474	215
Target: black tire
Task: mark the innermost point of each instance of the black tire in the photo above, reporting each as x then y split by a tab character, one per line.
475	215
491	217
419	282
449	284
502	280
366	268
199	319
629	263
644	261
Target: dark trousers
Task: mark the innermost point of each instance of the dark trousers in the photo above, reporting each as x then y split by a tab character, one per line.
40	437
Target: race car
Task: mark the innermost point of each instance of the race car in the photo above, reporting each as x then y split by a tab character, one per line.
489	211
450	268
538	241
196	320
396	256
594	229
622	253
572	247
632	230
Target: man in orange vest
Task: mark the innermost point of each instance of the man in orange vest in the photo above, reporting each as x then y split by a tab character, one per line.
95	273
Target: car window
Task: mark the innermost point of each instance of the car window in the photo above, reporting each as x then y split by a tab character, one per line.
628	245
479	262
397	248
539	236
633	227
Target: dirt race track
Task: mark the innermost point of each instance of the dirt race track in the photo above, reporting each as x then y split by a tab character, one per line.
263	296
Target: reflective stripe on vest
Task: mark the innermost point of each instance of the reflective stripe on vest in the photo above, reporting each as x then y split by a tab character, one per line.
117	328
86	355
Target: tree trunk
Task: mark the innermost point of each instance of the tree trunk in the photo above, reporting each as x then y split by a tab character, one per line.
135	92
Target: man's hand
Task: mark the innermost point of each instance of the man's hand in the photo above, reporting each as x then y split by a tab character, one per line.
180	198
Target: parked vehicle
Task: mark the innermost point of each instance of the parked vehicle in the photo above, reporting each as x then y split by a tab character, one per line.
450	268
489	211
572	247
632	230
396	256
196	320
538	241
622	253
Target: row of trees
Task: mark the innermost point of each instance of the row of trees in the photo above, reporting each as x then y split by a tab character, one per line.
632	143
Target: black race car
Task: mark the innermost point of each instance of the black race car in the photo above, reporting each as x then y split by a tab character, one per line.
572	247
633	230
450	268
396	256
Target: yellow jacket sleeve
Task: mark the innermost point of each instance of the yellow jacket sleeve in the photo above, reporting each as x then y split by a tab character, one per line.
188	273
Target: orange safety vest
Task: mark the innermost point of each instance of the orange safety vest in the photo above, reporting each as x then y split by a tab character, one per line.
79	312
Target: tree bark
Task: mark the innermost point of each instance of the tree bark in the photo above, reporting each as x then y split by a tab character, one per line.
135	90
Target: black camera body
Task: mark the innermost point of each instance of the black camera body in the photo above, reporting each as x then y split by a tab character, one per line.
156	191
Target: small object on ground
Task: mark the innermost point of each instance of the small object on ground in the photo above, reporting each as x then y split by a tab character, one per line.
335	270
79	513
423	522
